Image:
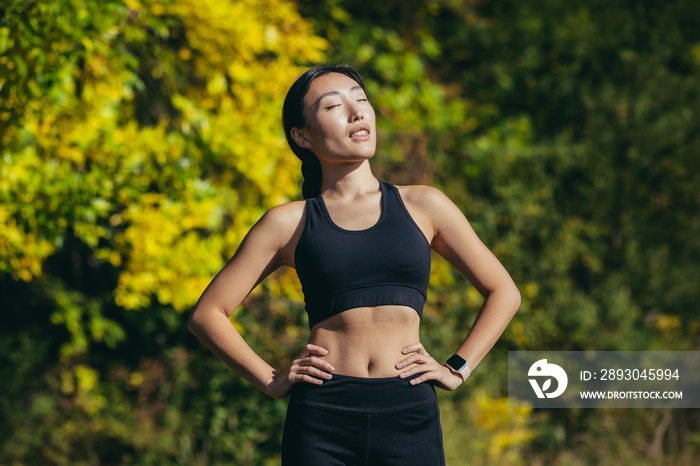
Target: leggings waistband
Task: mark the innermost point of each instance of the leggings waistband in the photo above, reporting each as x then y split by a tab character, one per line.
364	395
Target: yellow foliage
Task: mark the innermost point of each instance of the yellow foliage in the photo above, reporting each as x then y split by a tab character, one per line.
667	323
484	429
441	271
530	289
135	379
287	284
168	202
81	383
508	426
236	114
474	298
166	256
22	251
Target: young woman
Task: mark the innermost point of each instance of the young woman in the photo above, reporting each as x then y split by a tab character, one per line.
361	391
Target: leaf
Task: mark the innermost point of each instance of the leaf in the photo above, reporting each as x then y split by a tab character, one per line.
546	385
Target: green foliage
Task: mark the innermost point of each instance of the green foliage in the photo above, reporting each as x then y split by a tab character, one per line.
567	132
139	140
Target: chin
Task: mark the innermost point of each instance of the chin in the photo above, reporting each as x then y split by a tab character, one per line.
367	156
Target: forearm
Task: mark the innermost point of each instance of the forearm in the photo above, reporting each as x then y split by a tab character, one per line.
216	331
495	314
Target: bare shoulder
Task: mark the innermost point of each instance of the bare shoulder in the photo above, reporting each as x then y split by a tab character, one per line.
281	227
281	222
427	199
284	216
428	206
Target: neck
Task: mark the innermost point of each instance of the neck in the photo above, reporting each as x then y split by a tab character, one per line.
347	181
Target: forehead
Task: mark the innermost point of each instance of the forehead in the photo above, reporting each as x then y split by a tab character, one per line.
329	83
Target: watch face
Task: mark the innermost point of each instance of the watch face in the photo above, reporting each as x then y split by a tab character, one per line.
456	362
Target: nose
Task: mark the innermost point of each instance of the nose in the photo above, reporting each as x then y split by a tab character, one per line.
356	115
355	110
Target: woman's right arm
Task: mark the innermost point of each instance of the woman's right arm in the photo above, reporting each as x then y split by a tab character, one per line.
266	247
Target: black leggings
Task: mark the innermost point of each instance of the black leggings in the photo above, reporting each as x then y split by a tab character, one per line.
362	421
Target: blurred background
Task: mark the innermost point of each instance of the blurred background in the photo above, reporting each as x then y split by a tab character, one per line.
139	140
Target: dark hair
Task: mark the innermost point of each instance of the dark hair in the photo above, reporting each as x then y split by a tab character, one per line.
293	117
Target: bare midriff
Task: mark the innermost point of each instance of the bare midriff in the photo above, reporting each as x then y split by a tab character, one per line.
367	341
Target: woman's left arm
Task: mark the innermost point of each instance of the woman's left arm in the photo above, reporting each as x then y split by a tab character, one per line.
455	240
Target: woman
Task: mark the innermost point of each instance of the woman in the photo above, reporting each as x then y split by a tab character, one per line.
362	388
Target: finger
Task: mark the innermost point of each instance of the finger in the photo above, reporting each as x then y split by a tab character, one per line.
308	379
320	363
315	349
413	359
415	348
422	369
313	372
416	358
424	377
420	379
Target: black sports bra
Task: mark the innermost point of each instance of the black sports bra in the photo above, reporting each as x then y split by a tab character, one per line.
388	263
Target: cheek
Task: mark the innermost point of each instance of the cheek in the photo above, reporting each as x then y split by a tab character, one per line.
327	126
374	115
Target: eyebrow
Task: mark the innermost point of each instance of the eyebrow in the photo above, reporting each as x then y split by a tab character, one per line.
330	93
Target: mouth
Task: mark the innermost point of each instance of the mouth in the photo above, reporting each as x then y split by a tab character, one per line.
360	132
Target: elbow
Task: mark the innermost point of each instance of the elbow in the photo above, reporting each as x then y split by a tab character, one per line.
510	298
192	323
513	296
202	319
517	299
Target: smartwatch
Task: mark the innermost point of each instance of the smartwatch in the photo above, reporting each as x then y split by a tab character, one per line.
458	365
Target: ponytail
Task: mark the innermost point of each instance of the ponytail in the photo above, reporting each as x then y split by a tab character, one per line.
311	171
293	117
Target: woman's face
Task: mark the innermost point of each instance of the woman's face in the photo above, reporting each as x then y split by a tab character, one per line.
340	122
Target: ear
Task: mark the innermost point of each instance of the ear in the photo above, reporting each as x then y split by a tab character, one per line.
300	139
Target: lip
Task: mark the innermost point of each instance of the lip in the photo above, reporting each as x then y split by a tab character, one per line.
360	128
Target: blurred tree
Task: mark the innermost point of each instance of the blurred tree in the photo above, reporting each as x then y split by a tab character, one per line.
139	142
568	134
609	91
